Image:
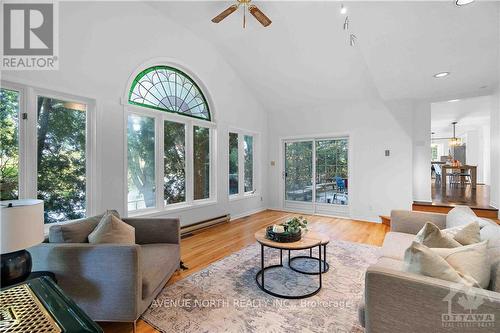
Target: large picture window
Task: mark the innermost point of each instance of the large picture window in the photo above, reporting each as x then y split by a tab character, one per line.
169	142
141	162
61	147
45	150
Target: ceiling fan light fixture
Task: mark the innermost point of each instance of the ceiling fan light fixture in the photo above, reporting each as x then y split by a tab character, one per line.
460	3
259	15
225	13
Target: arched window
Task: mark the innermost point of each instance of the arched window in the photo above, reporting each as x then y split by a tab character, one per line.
169	89
170	146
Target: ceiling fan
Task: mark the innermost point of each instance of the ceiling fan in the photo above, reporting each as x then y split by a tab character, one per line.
256	12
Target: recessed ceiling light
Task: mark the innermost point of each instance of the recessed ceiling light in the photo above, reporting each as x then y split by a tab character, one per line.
463	2
453	100
343	10
442	74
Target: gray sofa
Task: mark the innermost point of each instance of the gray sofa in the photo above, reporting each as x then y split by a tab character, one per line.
398	301
112	282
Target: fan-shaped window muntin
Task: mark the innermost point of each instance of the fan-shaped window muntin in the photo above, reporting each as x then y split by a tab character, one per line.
168	89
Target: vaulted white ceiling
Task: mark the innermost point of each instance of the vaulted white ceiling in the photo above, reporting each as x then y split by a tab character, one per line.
304	57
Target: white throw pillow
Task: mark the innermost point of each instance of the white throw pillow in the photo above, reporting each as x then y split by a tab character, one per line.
112	230
431	236
420	259
465	235
462	215
471	260
468	265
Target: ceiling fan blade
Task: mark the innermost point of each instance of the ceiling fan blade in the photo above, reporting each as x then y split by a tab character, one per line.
259	15
225	14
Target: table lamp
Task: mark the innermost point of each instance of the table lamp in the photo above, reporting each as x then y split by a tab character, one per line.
21	226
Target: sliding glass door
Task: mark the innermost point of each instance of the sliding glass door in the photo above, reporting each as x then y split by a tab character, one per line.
299	171
316	175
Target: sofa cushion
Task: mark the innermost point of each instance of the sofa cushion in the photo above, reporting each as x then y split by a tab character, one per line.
76	231
112	230
395	244
467	265
158	261
390	263
431	236
462	215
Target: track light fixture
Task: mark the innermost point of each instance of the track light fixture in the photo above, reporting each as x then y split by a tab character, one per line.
346	23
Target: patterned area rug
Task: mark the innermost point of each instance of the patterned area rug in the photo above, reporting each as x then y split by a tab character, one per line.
224	297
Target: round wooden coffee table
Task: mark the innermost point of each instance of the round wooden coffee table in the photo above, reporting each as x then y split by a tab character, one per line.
309	240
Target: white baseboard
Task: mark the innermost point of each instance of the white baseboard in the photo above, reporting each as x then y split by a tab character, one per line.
254	211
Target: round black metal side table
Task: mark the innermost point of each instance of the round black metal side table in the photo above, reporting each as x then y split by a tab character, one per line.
309	241
324	267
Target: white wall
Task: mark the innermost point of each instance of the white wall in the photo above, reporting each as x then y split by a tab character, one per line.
379	183
422	152
101	44
495	149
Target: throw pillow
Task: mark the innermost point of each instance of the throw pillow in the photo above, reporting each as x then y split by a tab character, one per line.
431	236
471	260
420	259
468	265
76	231
465	235
462	215
112	230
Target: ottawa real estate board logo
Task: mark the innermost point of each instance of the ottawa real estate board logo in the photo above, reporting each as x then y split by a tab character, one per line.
29	36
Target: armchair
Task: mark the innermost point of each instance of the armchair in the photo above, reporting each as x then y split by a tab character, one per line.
115	282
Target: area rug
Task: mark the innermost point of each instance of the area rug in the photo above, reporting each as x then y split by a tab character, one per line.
224	297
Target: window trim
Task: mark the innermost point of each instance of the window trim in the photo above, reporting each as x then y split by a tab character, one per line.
241	164
28	173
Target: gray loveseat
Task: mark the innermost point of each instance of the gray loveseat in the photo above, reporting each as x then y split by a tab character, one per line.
397	301
112	282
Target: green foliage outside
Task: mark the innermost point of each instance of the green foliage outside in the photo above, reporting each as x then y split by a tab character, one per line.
174	186
233	163
61	177
201	146
141	161
248	163
9	145
61	133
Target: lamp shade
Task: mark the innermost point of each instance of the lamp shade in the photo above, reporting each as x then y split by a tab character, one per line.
21	224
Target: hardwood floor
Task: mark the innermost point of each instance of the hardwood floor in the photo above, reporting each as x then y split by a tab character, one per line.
442	201
207	246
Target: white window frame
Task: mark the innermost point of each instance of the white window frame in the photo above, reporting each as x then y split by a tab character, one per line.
241	164
190	122
28	172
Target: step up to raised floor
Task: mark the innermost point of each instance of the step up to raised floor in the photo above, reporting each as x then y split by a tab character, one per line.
487	212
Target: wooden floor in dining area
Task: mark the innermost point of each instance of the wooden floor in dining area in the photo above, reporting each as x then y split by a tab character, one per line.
207	246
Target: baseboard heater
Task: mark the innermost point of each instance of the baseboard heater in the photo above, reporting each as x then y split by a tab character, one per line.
189	229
